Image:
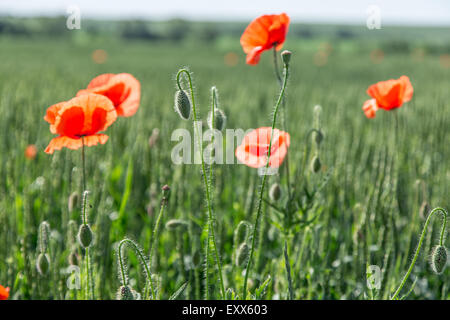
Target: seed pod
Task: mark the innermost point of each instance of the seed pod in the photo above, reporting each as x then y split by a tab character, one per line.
175	224
316	164
125	293
44	234
73	201
43	264
242	254
286	57
85	235
182	104
439	259
219	120
275	192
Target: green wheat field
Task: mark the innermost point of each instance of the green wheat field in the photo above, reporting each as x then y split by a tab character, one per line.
365	206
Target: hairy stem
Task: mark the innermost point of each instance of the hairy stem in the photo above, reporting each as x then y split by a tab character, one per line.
205	179
422	236
263	183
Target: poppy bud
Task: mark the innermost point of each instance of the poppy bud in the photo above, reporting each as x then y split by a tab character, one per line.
166	190
439	259
73	201
72	232
242	231
175	224
72	259
275	192
44	233
318	137
125	293
286	57
85	235
182	104
219	120
316	164
242	254
43	264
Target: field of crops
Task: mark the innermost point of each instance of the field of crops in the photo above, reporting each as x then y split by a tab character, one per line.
364	205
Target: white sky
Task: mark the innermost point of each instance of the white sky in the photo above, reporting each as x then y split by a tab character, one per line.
411	12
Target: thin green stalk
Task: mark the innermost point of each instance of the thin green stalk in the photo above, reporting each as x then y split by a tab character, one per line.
422	236
83	163
258	212
87	262
205	178
153	246
288	270
283	116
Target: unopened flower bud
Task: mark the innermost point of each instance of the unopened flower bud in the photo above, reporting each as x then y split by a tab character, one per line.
242	254
182	104
219	120
43	264
73	201
439	259
125	293
85	235
286	57
275	192
316	164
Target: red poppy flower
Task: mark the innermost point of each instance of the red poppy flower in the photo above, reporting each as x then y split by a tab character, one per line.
262	34
4	292
388	95
30	151
255	147
79	117
122	89
370	108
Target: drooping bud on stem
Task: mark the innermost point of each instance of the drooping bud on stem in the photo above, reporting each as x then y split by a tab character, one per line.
242	254
439	259
315	164
275	192
182	104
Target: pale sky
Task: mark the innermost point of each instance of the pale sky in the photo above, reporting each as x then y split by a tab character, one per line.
410	12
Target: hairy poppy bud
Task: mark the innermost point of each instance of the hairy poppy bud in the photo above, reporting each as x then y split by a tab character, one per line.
286	57
275	192
85	235
44	234
316	164
439	259
182	104
219	120
175	224
73	201
318	137
125	293
242	231
242	254
43	264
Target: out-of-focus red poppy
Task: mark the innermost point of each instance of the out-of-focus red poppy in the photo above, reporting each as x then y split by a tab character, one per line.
4	292
30	152
255	146
262	34
370	108
390	94
122	89
80	117
99	56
